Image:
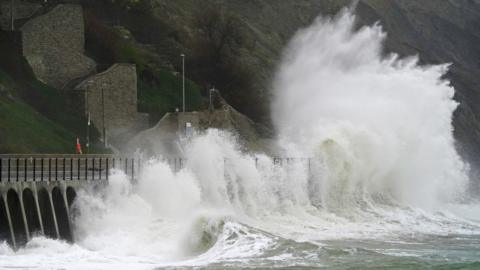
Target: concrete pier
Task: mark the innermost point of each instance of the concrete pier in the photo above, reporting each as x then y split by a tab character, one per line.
37	192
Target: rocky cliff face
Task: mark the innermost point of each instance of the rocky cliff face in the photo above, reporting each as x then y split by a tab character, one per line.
437	31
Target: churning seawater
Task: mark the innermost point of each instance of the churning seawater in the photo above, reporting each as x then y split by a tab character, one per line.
384	188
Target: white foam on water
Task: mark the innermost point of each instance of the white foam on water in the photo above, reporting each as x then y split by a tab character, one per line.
380	125
384	166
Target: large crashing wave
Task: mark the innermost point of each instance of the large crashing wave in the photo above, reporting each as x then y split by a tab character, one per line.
379	134
380	125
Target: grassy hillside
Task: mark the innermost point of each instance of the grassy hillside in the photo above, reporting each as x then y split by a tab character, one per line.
24	130
34	118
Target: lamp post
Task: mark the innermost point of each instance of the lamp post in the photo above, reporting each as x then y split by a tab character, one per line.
87	113
103	117
12	16
183	81
88	134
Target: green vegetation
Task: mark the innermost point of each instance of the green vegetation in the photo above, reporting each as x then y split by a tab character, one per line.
23	130
36	118
159	89
162	94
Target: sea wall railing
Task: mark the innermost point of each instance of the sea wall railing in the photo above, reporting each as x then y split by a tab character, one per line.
65	167
88	167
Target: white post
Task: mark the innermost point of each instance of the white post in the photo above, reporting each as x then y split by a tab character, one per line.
183	81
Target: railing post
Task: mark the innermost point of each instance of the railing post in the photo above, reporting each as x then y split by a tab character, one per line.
63	169
56	169
86	168
106	170
25	169
41	169
34	168
100	168
1	170
8	172
71	169
49	169
78	168
126	166
18	164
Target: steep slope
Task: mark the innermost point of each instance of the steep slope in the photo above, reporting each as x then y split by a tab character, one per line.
436	31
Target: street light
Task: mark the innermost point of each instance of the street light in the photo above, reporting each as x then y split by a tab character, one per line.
87	113
183	81
103	116
88	134
12	15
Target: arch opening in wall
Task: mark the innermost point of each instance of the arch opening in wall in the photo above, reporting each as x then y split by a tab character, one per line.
31	212
61	213
16	215
47	213
71	196
4	226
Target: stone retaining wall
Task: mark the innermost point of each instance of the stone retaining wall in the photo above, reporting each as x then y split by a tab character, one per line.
22	10
119	87
53	44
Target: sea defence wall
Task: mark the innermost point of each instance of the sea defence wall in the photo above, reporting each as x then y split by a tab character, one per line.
37	192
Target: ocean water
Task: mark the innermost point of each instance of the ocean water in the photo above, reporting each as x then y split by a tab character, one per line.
384	187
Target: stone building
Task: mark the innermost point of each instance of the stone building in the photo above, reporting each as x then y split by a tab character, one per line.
53	45
111	101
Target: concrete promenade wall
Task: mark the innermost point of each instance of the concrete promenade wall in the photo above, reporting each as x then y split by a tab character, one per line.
37	192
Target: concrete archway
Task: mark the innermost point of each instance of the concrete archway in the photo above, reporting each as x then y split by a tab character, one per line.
71	195
17	217
61	214
31	213
4	226
47	213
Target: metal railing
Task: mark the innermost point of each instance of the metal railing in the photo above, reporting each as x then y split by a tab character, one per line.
64	167
15	168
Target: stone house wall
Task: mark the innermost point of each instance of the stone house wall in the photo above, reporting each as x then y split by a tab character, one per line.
119	87
53	44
